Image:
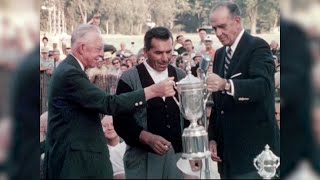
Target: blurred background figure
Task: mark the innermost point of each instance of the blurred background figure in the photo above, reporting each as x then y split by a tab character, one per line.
179	44
202	35
123	51
5	144
43	134
95	20
173	59
300	93
141	58
116	147
275	49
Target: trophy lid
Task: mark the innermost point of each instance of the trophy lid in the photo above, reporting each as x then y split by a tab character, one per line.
190	83
189	79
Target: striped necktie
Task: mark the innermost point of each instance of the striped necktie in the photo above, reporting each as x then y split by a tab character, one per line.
227	61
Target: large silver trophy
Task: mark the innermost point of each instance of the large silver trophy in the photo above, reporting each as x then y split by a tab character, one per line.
192	99
266	163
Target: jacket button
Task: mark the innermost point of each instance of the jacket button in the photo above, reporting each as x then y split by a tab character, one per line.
222	112
168	126
140	102
136	104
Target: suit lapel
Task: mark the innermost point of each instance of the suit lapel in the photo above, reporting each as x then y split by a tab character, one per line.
237	55
220	62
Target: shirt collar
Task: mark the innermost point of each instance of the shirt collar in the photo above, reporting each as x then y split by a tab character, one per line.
81	65
236	42
151	70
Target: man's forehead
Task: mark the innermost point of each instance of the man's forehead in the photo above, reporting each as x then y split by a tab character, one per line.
161	44
219	13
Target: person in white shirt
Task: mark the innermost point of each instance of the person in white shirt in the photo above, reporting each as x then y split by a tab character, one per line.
202	35
115	146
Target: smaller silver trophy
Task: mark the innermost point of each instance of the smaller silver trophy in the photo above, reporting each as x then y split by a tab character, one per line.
266	163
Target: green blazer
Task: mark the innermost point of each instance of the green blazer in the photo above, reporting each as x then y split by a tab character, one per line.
75	144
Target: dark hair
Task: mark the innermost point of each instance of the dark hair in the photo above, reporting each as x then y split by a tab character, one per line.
126	65
179	36
202	29
158	33
188	40
45	38
116	58
179	60
233	8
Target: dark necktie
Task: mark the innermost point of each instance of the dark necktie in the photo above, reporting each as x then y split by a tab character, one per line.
227	61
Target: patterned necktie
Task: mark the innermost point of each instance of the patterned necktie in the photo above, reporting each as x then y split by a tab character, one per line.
227	61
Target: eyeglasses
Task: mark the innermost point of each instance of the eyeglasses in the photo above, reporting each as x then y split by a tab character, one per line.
115	62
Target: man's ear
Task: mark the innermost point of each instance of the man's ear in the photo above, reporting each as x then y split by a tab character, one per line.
81	49
238	19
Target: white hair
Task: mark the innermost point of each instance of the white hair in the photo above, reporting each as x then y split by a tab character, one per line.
81	32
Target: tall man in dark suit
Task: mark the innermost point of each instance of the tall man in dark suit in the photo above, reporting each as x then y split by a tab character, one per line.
76	146
242	120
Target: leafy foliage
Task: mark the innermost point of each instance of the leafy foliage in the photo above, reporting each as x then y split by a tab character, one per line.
131	16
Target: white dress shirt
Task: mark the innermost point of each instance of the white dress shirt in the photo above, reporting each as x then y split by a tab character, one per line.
233	48
156	75
81	65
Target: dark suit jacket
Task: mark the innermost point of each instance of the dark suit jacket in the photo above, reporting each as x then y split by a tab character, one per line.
244	123
76	146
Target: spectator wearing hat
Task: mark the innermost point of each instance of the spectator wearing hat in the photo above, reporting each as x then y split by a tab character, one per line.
46	63
123	52
208	48
109	48
107	57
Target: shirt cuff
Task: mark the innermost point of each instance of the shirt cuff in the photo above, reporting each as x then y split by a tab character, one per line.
232	88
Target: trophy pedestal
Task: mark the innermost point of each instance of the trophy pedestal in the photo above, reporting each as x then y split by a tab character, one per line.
195	143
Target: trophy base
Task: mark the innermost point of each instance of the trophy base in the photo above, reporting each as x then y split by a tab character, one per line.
196	156
195	143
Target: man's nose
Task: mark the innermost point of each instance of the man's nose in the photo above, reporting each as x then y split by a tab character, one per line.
165	56
218	32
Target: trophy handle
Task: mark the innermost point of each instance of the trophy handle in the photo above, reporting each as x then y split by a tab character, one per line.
278	162
255	163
